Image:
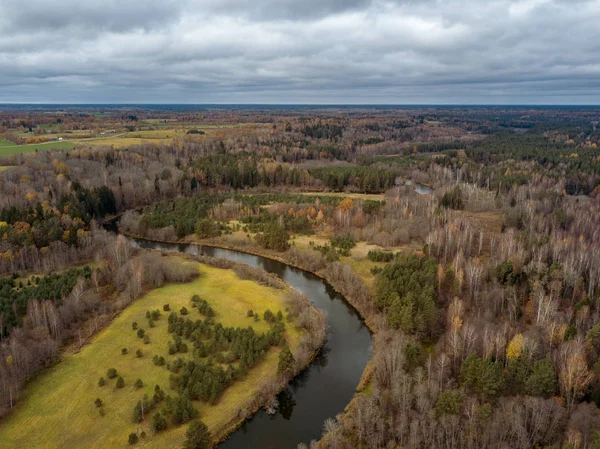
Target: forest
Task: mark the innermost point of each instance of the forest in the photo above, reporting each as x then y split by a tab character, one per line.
466	238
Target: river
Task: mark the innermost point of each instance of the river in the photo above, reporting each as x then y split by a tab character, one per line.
421	189
323	389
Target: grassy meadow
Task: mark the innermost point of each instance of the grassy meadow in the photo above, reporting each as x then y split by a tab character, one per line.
8	150
57	408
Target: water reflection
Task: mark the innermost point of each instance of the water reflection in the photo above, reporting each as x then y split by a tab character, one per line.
286	404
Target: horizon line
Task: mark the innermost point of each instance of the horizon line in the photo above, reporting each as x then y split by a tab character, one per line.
301	104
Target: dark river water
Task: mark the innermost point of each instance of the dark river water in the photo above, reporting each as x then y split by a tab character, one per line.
323	389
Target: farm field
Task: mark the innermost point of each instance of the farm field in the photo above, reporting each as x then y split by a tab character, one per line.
8	150
66	392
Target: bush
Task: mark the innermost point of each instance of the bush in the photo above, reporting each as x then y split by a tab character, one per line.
268	316
120	382
111	373
183	311
380	256
376	270
250	313
124	351
166	307
141	333
159	423
197	436
101	382
133	438
139	383
452	199
138	353
274	237
98	402
206	228
146	339
344	243
449	402
134	325
286	361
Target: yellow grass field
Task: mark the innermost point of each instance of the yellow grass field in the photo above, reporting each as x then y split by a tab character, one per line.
57	408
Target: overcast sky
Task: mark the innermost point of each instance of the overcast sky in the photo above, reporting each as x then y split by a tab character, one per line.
302	51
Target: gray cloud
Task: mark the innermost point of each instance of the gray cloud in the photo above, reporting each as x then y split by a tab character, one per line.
313	51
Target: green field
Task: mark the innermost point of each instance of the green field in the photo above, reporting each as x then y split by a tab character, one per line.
8	150
57	408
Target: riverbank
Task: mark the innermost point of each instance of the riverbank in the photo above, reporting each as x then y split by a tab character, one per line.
369	317
241	400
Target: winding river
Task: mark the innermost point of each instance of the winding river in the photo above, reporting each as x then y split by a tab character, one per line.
323	389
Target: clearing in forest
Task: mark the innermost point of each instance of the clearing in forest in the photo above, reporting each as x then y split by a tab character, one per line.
57	409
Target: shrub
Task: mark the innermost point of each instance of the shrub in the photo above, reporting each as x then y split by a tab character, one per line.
286	361
124	351
140	333
380	256
134	325
138	353
101	382
449	402
268	316
111	373
133	438
139	383
344	243
159	423
274	237
376	270
146	339
207	228
120	382
452	199
98	402
183	311
197	436
250	313
166	307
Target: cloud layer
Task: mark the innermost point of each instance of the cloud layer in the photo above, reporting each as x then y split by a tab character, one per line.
309	51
